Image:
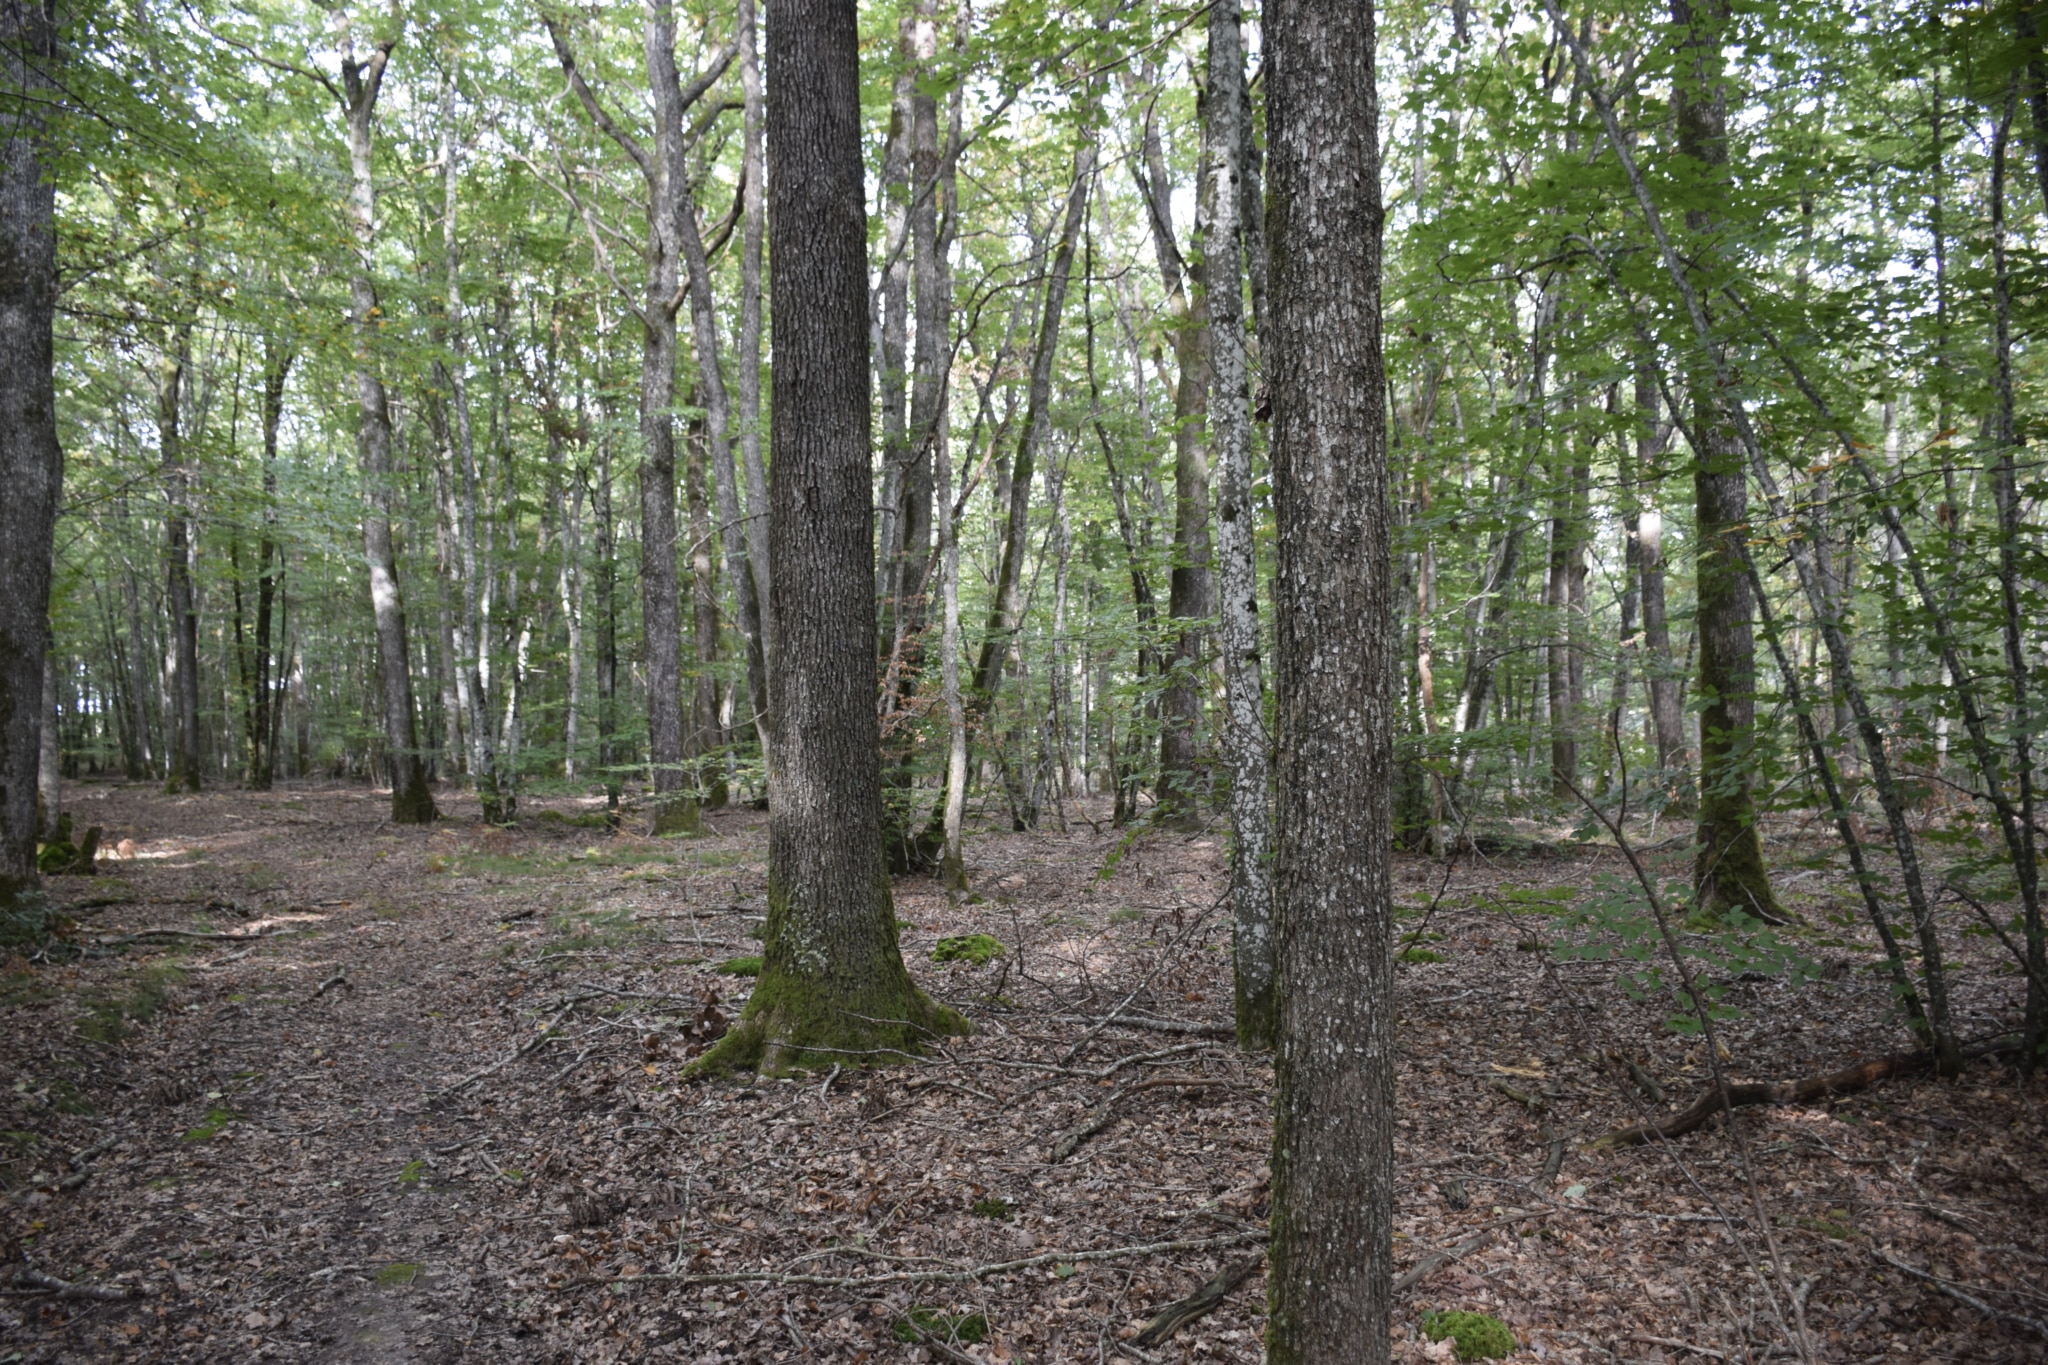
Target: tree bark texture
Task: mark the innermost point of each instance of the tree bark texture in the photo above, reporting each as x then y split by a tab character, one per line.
1190	584
411	802
1728	872
833	985
31	462
1244	736
1336	644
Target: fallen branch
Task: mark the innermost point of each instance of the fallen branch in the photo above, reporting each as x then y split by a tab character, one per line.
1436	1260
1848	1081
1961	1296
1105	1113
1140	1021
1181	1312
1676	1345
545	1032
81	1165
143	934
67	1289
338	979
1645	1082
968	1275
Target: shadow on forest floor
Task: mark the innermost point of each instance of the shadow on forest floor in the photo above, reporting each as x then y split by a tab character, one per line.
350	1139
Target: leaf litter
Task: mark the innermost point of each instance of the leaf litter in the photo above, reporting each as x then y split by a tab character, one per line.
432	1111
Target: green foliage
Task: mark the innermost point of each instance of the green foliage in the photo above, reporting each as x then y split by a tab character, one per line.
1478	1336
969	1329
995	1206
979	949
1413	957
1615	922
398	1274
740	966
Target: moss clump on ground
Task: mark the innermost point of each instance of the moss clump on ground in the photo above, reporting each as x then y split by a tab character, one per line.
920	1323
740	966
1417	956
994	1207
1477	1336
980	949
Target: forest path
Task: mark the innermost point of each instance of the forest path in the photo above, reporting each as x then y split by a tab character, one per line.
287	1164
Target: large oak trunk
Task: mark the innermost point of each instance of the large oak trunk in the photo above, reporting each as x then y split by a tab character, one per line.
833	987
1335	648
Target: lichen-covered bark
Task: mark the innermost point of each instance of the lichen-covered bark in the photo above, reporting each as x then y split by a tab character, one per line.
833	986
31	462
1244	737
1335	650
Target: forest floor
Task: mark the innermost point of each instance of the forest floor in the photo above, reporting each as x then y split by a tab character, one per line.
413	1095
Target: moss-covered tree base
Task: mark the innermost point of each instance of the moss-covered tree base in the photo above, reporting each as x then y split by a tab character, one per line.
789	1025
677	815
1729	877
413	804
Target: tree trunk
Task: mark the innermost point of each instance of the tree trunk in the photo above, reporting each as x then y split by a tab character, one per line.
49	754
2010	548
1245	739
749	583
1663	679
411	802
607	660
31	462
184	614
472	647
753	176
708	735
262	753
1565	589
1006	608
1190	588
667	181
832	981
1728	872
1331	1252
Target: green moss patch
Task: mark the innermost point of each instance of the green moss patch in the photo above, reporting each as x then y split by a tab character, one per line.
398	1274
740	966
980	949
1415	956
1477	1336
919	1323
994	1206
110	1018
212	1126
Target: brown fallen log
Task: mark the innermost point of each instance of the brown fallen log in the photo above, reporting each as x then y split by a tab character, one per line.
1847	1081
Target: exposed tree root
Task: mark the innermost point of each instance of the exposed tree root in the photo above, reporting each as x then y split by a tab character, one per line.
1848	1081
